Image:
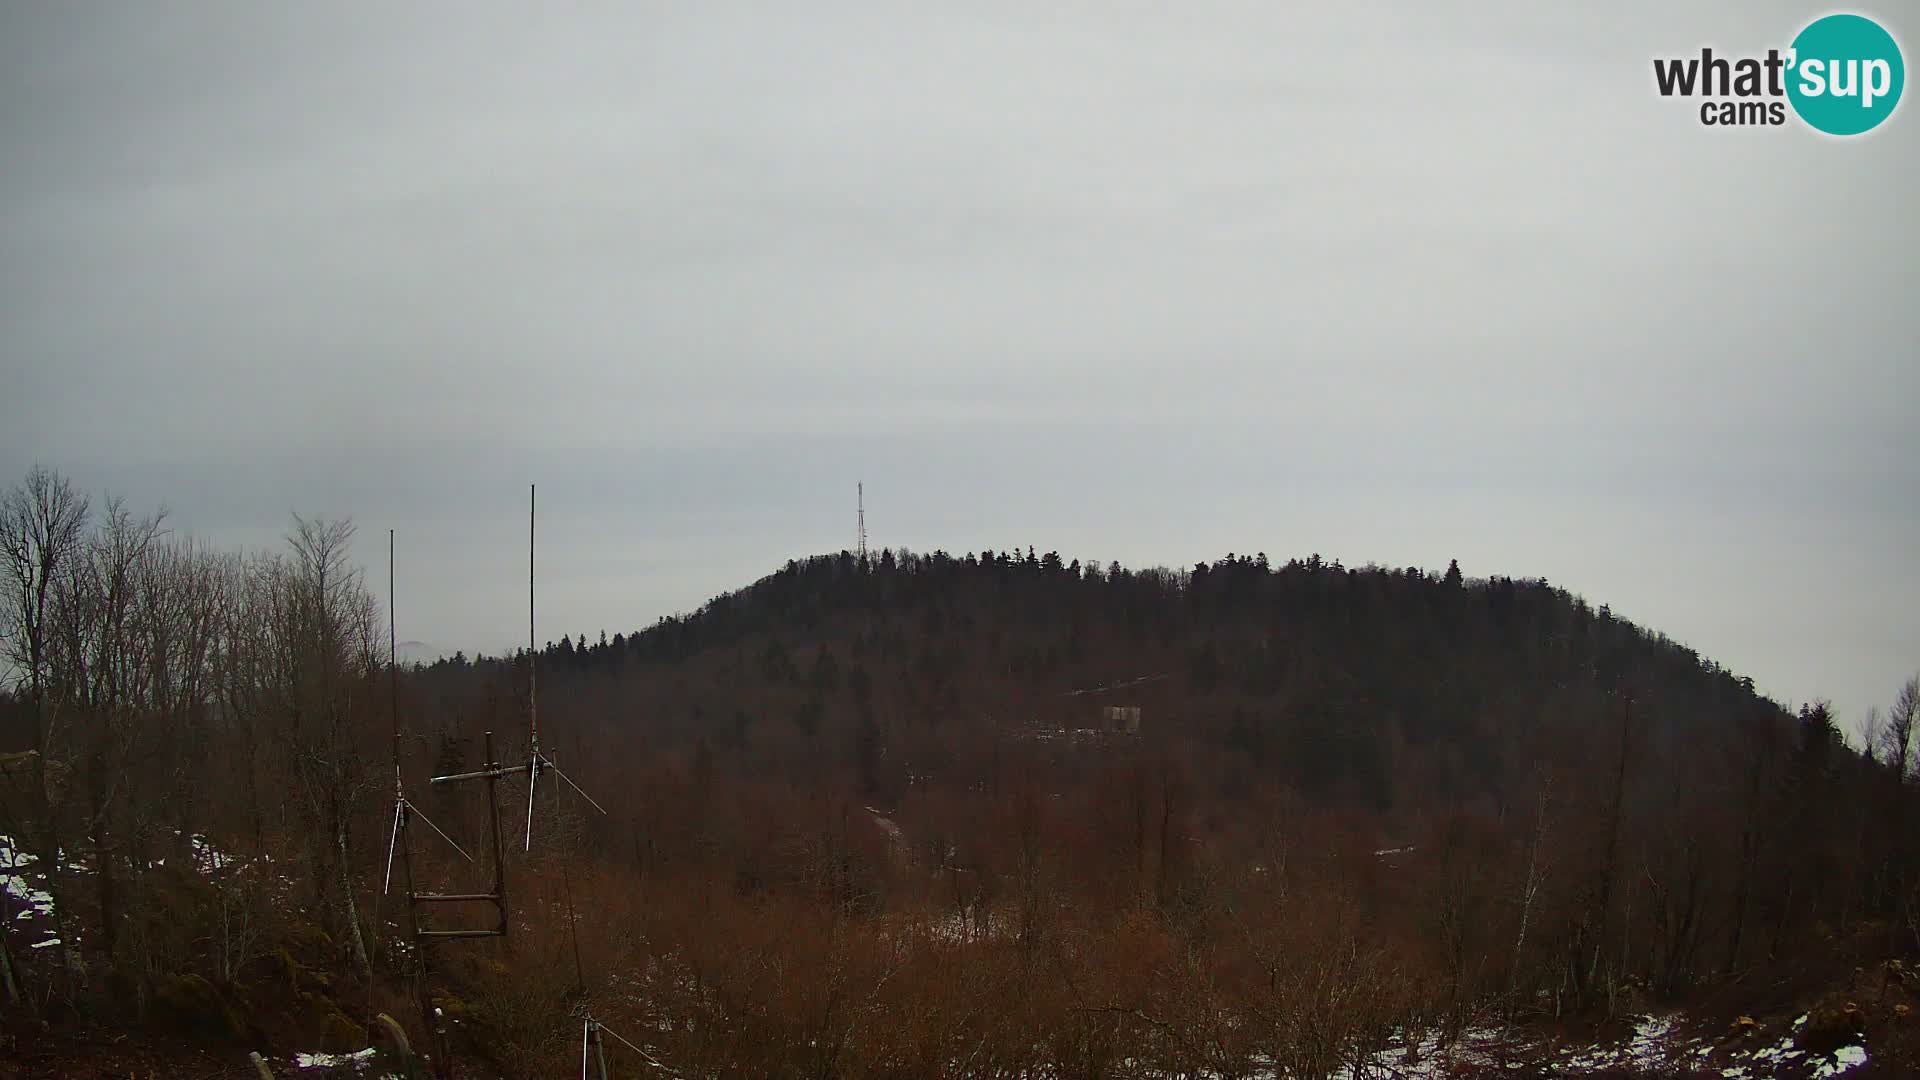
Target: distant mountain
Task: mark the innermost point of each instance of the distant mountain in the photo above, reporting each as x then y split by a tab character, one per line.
420	652
1355	683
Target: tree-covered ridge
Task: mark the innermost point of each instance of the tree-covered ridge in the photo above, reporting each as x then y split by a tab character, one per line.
1329	669
875	818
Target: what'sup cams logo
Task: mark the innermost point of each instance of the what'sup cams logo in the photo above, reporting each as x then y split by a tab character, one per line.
1842	75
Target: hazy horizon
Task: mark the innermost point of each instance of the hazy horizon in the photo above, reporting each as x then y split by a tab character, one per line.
1393	284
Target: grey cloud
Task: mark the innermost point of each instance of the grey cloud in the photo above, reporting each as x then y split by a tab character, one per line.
1389	281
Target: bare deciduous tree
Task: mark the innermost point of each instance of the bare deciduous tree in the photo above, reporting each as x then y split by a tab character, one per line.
1898	731
331	627
42	527
103	680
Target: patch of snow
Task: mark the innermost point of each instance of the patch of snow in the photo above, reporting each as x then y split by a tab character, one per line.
330	1061
1648	1036
1845	1058
1781	1051
14	865
1476	1051
886	825
39	901
44	944
208	858
1650	1047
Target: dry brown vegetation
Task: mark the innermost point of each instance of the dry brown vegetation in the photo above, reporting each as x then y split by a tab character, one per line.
851	833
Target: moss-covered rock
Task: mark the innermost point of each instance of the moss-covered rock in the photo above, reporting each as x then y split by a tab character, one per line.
341	1035
189	1003
1832	1024
329	1026
309	944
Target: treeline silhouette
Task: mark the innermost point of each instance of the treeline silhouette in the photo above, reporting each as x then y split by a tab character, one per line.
1342	677
875	818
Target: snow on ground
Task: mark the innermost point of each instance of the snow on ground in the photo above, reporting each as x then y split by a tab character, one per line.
358	1062
21	881
1657	1047
1778	1054
1847	1057
1785	1058
1478	1050
14	867
207	858
1652	1045
333	1061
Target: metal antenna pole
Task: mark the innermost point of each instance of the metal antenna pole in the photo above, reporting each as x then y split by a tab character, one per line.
573	931
860	500
537	761
491	772
393	706
400	807
393	702
600	1029
393	663
533	774
403	810
533	674
493	823
600	1050
593	1048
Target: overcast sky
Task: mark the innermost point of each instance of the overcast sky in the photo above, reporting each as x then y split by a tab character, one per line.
1146	282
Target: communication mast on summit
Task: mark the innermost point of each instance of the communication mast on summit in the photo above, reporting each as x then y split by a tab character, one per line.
860	500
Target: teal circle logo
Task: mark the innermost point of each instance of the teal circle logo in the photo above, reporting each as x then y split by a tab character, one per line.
1845	75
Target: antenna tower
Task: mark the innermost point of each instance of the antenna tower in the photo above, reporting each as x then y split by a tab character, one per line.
860	500
400	842
592	1046
538	761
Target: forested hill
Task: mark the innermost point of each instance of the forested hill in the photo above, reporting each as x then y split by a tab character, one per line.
1505	792
1035	815
1359	682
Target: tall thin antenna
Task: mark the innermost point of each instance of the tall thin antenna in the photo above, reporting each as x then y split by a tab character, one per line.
393	704
533	714
860	499
403	809
400	840
533	671
393	662
537	762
